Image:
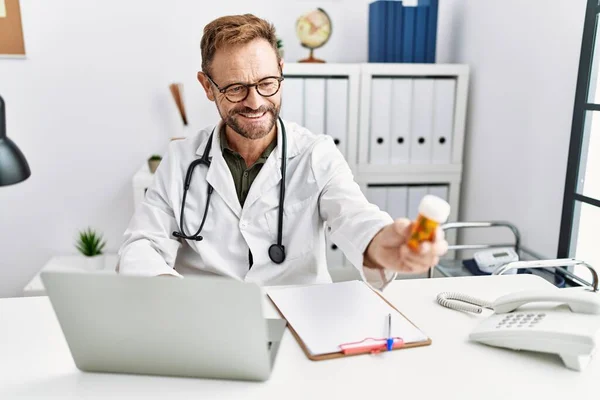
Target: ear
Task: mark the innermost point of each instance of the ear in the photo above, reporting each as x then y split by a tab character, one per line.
281	65
206	85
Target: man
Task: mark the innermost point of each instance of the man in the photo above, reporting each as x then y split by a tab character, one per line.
233	202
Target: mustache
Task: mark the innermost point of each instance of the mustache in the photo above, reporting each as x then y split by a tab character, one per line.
248	110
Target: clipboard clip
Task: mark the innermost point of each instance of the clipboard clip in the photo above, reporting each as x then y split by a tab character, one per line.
370	345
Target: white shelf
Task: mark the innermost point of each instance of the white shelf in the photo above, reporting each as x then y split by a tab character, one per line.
105	263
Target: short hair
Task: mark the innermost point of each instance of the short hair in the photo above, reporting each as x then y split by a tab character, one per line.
235	30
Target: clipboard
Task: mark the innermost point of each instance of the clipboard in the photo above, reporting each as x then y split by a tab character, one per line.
367	345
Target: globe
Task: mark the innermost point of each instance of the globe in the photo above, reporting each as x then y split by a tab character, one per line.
314	30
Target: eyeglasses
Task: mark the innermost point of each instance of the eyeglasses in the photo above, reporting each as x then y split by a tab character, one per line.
238	92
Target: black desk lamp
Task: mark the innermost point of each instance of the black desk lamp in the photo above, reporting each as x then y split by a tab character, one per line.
13	165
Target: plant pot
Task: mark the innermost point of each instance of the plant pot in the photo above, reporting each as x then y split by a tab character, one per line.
94	263
153	165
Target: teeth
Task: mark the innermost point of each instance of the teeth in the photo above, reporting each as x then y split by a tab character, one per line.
253	115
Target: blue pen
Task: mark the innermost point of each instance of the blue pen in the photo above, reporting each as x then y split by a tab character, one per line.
390	341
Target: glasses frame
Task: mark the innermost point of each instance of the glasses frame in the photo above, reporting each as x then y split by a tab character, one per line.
248	86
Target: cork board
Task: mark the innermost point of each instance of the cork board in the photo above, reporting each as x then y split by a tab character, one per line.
11	29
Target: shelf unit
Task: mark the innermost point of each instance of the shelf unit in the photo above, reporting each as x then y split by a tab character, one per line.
432	97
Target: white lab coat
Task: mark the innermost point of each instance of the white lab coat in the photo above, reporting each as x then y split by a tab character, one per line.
319	188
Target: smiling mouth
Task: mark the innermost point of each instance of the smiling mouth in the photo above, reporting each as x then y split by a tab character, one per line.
253	116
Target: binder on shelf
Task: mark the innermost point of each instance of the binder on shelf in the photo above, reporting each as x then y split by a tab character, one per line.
422	121
379	126
440	191
397	201
336	118
378	196
377	31
415	195
343	319
390	31
334	255
401	120
421	19
292	105
408	36
314	105
432	31
398	33
443	117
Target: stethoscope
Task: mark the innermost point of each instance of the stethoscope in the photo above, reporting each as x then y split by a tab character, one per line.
276	251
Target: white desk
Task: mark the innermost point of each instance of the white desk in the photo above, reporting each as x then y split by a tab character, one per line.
35	361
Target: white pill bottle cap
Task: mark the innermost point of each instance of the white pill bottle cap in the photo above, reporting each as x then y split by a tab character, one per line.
434	208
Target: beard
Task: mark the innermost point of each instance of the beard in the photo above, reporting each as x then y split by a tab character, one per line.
248	128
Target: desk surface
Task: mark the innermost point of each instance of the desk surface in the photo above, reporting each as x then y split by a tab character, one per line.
35	361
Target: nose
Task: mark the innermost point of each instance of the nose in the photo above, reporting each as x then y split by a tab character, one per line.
254	100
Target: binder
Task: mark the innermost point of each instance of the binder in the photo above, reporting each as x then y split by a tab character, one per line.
440	191
343	319
336	119
390	31
377	31
408	34
292	104
443	117
378	195
314	105
398	32
379	131
401	120
334	255
421	19
372	32
415	195
397	201
422	121
432	31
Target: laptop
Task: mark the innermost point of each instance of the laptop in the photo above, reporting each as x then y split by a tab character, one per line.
203	327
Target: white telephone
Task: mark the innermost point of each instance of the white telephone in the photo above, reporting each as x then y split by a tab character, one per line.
562	321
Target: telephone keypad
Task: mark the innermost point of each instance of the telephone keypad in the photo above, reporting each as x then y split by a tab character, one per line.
520	320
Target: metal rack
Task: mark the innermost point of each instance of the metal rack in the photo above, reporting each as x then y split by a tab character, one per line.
528	259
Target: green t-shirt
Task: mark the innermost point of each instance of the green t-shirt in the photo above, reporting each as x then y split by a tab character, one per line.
242	176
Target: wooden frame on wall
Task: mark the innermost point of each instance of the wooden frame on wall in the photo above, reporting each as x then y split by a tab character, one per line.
12	43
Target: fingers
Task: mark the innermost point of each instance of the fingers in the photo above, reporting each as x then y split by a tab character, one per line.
402	226
418	262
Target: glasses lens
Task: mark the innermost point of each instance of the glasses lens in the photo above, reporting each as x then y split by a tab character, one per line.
268	86
236	92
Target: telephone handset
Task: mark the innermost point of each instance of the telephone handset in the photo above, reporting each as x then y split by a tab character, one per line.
560	321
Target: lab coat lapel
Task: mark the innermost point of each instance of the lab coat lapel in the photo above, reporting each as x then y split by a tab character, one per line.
219	175
270	173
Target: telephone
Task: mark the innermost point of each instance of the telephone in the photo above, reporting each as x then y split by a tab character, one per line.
560	321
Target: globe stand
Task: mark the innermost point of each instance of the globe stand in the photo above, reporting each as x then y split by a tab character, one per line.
311	59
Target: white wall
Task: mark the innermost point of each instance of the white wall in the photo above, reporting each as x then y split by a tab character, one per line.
524	57
91	103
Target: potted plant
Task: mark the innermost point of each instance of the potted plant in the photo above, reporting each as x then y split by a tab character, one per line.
91	244
153	162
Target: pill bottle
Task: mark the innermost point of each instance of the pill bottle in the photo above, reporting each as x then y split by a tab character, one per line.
433	211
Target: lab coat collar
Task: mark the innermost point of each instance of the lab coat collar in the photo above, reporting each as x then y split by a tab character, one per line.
293	148
219	176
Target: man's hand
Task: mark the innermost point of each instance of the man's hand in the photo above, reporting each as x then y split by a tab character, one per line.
388	249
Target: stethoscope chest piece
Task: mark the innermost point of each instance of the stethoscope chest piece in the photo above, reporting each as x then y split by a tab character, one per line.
277	253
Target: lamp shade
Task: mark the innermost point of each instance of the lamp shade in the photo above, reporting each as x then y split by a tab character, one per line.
13	165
